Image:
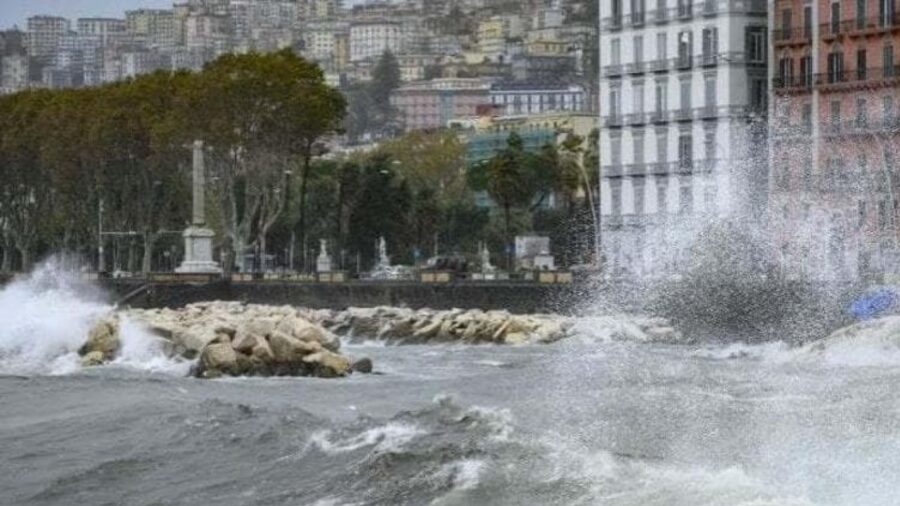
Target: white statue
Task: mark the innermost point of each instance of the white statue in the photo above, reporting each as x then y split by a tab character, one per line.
486	266
323	263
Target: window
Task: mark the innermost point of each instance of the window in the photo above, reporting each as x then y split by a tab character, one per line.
638	99
806	114
685	95
888	111
660	102
806	70
861	65
639	192
887	61
662	148
786	71
759	95
861	209
662	195
685	151
617	12
887	12
860	14
835	67
836	18
686	198
614	104
710	46
709	145
638	145
661	50
615	50
756	44
638	9
861	113
710	92
835	114
638	49
685	49
616	151
786	24
684	8
616	197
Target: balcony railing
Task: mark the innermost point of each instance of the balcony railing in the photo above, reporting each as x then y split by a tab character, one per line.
858	26
867	76
793	35
613	121
684	12
613	70
795	83
636	68
636	119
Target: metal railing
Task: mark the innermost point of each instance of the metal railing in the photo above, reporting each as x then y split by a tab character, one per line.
801	82
856	26
636	119
684	12
613	70
613	121
793	35
857	76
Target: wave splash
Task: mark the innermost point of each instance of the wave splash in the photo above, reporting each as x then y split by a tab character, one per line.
46	317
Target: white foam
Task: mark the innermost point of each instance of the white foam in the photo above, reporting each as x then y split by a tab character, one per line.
389	437
46	317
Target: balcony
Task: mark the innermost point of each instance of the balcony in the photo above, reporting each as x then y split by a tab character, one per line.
683	114
795	36
659	65
636	169
684	62
858	78
798	84
859	27
613	121
636	68
660	16
613	23
613	70
659	117
614	170
636	119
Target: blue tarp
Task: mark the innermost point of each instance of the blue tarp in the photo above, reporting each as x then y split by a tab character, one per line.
873	303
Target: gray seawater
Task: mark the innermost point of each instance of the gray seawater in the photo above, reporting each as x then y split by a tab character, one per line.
587	421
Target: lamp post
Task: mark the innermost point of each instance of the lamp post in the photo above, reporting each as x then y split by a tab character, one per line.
101	261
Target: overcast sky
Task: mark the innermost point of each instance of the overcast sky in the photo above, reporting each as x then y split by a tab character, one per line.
14	12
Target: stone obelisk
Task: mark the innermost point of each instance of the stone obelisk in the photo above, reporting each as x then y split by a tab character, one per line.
198	240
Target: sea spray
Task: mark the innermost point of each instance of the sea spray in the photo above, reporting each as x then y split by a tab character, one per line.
46	316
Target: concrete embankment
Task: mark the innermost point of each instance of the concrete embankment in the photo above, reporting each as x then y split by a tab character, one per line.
519	298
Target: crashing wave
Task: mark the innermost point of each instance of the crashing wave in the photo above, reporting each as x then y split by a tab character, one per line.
869	343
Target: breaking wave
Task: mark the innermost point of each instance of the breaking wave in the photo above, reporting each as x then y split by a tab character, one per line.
46	317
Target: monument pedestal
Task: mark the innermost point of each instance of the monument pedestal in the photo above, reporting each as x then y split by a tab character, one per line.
198	250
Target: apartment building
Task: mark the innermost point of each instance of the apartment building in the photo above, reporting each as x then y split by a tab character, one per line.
431	105
683	90
370	39
835	136
517	98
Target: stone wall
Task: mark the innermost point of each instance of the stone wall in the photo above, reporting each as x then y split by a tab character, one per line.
521	298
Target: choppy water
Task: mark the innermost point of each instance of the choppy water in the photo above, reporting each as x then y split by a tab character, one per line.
586	421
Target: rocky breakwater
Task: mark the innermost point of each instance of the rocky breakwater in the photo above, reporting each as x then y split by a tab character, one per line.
233	339
407	326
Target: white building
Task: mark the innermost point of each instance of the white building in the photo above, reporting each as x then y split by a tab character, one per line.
44	33
516	98
681	82
107	29
370	39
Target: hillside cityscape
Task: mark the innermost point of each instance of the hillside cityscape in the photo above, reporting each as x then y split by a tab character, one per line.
686	121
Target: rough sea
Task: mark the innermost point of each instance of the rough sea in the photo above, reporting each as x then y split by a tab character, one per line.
586	421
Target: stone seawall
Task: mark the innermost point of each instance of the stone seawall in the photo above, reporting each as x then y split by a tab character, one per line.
521	298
